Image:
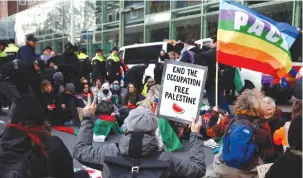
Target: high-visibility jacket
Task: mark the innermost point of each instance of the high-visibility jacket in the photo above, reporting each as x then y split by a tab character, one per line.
98	57
82	56
11	48
114	57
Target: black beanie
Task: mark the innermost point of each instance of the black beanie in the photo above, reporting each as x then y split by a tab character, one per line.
295	133
27	110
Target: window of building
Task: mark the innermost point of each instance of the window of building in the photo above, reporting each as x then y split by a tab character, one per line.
158	6
158	32
134	14
22	2
133	35
117	16
189	29
132	3
110	17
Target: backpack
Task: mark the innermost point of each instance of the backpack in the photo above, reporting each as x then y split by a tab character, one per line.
133	165
28	165
239	147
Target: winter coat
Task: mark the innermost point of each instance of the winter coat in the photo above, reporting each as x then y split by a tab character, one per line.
288	165
68	64
60	159
46	100
135	75
27	54
84	152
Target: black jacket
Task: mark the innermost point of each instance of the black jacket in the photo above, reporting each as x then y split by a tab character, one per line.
61	162
27	54
288	165
68	64
135	75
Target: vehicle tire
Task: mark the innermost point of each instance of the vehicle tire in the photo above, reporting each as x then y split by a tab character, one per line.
283	96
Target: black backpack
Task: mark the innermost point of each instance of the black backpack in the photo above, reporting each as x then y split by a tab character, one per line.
28	165
134	166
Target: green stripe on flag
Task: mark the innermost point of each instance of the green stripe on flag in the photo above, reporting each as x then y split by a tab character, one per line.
237	80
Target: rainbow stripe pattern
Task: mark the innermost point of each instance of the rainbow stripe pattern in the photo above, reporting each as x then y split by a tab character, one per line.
250	40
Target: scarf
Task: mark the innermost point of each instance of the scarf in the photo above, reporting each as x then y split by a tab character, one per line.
133	98
35	133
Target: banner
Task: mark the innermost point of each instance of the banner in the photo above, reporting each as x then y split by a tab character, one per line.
182	91
248	39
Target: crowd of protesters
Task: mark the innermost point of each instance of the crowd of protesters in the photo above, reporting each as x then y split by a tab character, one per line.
55	90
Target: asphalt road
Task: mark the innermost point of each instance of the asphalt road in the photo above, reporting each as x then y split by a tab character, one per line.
70	141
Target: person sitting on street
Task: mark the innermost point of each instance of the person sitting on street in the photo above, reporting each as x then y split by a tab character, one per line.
97	88
48	101
274	116
67	106
105	93
86	93
141	121
246	138
27	136
116	91
132	97
290	163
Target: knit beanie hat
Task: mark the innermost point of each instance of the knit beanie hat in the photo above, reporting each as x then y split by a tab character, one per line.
70	87
27	110
141	119
295	133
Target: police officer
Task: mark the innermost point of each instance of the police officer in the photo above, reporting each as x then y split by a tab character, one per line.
27	54
98	66
113	64
11	50
84	64
68	65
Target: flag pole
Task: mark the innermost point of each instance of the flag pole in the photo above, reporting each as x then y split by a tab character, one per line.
217	81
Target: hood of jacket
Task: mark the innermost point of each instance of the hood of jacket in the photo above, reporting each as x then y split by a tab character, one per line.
13	139
58	78
149	145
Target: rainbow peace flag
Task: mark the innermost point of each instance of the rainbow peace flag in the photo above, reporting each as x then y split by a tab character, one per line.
248	39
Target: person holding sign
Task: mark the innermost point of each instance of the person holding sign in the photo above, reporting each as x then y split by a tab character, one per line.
139	142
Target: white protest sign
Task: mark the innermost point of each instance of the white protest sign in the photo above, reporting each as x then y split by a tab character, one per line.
262	169
182	91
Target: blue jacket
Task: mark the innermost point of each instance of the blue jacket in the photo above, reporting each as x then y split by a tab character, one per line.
27	54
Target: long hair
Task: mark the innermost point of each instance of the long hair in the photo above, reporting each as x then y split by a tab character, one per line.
153	93
44	84
249	103
297	109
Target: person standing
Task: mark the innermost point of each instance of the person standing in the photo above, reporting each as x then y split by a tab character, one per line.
98	66
84	64
11	50
68	65
27	54
113	64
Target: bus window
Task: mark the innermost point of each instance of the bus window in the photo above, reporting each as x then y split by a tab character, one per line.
140	55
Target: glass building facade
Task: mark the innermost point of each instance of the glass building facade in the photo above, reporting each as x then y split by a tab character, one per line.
93	24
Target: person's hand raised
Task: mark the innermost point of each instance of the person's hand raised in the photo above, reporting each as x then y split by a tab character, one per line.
89	109
196	126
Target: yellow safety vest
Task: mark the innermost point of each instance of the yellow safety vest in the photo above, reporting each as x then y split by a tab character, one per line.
114	57
12	48
3	54
98	57
82	56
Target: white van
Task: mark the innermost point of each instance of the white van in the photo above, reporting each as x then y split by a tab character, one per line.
141	53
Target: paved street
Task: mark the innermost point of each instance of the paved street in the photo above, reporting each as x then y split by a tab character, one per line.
70	140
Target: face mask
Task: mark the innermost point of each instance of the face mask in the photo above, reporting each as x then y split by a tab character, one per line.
105	91
116	87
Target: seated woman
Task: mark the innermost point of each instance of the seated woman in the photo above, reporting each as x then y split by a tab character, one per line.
67	106
85	93
246	138
132	97
48	101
